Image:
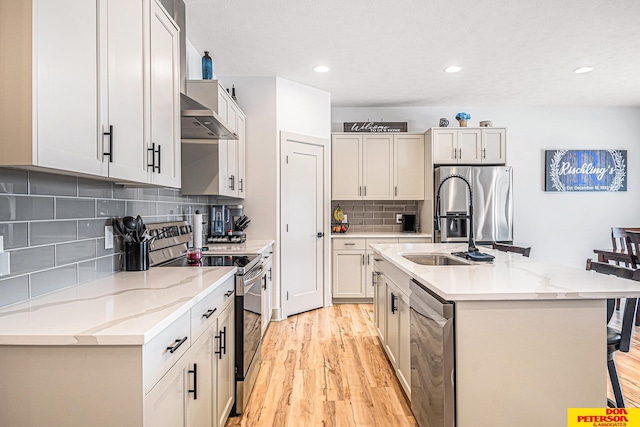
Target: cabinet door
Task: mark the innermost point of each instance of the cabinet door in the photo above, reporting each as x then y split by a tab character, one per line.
404	345
494	146
377	167
223	168
164	97
369	281
225	365
445	146
346	167
122	94
164	404
199	381
241	156
379	305
266	296
348	274
408	167
66	74
469	146
392	343
232	168
224	101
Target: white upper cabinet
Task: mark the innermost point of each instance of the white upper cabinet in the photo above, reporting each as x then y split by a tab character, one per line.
75	96
215	167
377	167
468	145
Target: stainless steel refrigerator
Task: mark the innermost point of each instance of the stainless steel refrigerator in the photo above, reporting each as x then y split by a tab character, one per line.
492	203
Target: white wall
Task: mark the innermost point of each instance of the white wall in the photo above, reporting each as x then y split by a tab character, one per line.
303	109
560	227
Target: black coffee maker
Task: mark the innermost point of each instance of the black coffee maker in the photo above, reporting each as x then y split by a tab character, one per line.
409	223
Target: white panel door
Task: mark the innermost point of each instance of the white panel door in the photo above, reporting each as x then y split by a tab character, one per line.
123	92
469	146
225	365
377	165
346	167
232	168
348	274
408	167
165	101
66	79
445	146
302	260
164	404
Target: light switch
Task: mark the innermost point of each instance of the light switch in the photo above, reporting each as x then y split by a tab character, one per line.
5	264
108	237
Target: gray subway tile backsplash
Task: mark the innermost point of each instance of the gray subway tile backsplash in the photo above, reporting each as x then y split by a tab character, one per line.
14	181
75	208
52	184
375	215
47	281
53	225
48	232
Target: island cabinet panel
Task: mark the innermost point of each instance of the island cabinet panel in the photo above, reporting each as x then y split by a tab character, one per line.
526	351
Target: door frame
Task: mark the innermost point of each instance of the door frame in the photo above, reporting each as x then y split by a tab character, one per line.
326	207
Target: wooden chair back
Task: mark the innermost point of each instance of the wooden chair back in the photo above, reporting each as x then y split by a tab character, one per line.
502	247
618	239
633	247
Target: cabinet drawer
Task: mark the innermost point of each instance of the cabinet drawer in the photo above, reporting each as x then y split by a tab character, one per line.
382	241
205	312
342	244
157	355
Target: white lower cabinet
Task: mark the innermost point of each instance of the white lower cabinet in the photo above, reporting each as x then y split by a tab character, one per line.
392	319
267	289
352	265
164	405
224	366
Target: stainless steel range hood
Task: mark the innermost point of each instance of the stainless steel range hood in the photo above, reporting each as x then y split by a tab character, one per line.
198	121
201	122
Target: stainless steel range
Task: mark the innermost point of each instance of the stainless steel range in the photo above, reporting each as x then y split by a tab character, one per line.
169	249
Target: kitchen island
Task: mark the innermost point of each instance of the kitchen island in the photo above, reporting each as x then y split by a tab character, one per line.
529	336
122	350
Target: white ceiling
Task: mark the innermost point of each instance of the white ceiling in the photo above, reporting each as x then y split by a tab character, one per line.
392	53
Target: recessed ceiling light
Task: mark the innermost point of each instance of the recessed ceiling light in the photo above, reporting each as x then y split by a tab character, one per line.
582	70
452	69
321	69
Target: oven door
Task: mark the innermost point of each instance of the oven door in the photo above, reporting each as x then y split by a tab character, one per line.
248	319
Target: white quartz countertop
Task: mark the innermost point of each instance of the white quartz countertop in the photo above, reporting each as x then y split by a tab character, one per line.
246	248
126	308
510	276
377	235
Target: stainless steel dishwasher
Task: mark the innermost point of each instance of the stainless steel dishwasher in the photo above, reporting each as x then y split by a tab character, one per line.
432	358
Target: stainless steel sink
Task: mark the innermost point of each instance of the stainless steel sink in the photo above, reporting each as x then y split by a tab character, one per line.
435	259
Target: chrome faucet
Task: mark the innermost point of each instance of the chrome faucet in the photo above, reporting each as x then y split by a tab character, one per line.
469	215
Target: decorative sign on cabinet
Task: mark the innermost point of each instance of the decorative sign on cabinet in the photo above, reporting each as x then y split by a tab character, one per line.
377	166
468	145
215	167
89	113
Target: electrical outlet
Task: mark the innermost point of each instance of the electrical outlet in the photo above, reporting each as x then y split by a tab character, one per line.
398	218
108	237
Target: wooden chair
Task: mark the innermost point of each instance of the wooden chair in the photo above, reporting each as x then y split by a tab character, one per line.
618	238
633	247
510	248
617	340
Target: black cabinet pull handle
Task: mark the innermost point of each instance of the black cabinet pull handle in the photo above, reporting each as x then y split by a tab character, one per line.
159	160
241	189
222	342
209	313
195	381
224	333
232	185
394	307
110	135
228	294
176	344
153	157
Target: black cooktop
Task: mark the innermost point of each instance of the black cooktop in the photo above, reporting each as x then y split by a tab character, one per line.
239	261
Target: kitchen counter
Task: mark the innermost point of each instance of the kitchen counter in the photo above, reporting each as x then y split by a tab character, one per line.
378	235
126	308
248	247
509	277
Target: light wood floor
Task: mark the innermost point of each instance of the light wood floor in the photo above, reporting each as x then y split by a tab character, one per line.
325	368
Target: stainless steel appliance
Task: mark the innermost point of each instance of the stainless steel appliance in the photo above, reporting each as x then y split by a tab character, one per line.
432	358
228	223
492	203
169	249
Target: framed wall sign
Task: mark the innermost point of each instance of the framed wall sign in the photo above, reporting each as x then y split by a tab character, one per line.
375	126
585	170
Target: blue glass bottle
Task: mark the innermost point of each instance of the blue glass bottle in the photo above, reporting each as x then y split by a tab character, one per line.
207	66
